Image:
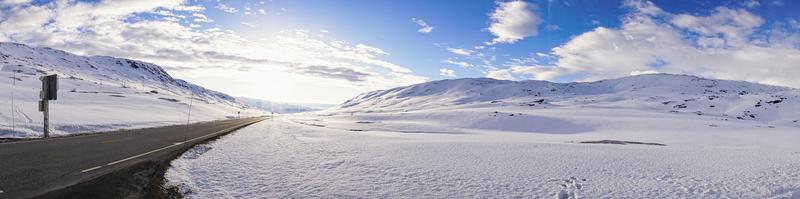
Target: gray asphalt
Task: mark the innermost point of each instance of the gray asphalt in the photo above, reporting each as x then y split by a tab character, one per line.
35	167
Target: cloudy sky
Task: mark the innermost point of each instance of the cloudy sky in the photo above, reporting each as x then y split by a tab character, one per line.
328	51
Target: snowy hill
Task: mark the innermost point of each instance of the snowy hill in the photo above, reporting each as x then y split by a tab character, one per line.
653	92
98	93
280	107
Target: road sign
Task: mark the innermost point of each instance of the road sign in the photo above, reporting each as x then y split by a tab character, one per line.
42	105
49	87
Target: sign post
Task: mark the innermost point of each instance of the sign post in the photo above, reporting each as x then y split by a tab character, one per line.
49	92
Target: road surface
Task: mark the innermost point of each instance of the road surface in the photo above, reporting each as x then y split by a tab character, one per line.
35	167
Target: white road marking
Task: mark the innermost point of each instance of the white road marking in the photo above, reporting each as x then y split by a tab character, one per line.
90	169
153	151
140	155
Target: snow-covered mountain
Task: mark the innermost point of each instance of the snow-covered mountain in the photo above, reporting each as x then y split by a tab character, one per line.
98	93
655	92
281	107
111	71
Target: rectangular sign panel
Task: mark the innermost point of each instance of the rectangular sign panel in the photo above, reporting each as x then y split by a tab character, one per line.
49	87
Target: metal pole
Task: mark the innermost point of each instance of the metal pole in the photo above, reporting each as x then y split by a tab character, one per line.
46	113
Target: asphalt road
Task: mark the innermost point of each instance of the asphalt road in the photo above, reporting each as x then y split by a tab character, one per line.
35	167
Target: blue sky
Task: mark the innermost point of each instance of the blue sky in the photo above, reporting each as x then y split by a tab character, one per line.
328	51
388	25
457	24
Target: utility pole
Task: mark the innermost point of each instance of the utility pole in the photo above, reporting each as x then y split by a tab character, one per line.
13	110
49	92
189	115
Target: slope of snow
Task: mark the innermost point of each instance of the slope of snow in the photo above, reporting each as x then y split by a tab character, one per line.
98	94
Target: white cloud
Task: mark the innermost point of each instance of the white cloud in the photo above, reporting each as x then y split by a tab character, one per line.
726	44
14	2
644	7
751	3
262	11
172	19
543	55
27	19
552	27
248	24
189	8
226	8
423	26
728	25
513	21
447	72
458	63
369	49
501	74
168	13
188	51
640	72
458	51
198	17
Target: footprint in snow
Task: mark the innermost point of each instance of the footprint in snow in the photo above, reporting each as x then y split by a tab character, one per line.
570	187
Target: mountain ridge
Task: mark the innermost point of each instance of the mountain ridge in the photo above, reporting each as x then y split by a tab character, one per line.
281	107
657	92
125	72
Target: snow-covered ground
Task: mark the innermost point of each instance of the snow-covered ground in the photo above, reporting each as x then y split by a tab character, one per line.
480	138
295	157
98	94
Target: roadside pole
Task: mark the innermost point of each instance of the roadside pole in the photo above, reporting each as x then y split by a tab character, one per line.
189	115
13	110
49	92
46	121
